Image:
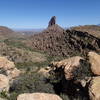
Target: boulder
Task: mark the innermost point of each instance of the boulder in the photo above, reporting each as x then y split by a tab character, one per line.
94	60
94	88
3	99
45	71
4	83
6	64
69	65
8	68
38	96
13	73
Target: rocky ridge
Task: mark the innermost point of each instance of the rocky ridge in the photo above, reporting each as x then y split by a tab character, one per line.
59	42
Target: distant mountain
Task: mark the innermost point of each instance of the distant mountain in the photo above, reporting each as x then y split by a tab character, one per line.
28	31
5	32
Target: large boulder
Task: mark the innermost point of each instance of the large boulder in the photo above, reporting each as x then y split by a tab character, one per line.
38	96
94	88
8	68
94	60
4	83
6	64
3	99
69	66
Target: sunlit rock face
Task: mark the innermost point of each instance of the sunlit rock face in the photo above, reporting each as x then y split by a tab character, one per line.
38	96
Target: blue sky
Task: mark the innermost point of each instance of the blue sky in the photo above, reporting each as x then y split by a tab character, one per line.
36	13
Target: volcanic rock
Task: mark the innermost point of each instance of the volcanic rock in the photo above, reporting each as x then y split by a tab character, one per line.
52	21
4	83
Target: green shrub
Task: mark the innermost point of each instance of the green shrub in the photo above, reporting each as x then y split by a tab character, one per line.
64	96
30	83
4	94
83	71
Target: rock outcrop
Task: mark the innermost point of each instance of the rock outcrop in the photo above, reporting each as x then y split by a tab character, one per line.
4	83
8	68
94	88
67	43
38	96
94	60
6	64
52	21
69	66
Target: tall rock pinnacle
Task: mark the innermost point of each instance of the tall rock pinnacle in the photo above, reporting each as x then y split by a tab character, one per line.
52	21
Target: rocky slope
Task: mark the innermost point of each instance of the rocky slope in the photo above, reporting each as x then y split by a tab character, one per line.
59	42
76	78
91	29
20	55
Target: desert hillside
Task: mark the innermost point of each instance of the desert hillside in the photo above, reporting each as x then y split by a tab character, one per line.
91	29
55	64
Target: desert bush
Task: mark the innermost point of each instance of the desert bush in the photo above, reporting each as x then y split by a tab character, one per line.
83	71
64	96
30	83
67	89
4	95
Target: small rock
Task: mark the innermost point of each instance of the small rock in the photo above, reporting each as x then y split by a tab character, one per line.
13	73
45	71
